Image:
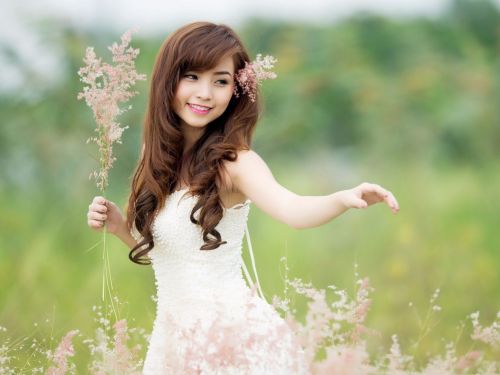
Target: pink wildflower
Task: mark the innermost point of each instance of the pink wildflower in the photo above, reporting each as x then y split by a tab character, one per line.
118	359
106	87
397	362
345	360
489	335
468	360
59	357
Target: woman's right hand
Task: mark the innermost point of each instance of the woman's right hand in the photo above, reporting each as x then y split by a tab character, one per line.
104	212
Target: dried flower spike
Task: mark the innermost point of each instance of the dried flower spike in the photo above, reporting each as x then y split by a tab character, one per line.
106	87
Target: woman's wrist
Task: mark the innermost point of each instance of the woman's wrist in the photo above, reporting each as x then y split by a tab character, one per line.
339	200
125	236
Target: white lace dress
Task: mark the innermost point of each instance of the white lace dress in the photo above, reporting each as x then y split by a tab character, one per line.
208	321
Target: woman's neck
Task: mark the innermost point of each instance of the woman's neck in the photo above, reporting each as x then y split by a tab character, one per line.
191	135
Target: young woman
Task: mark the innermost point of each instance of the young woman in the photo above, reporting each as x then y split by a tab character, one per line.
188	209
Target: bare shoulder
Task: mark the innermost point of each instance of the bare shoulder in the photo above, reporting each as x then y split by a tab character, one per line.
231	194
244	159
244	163
251	177
249	174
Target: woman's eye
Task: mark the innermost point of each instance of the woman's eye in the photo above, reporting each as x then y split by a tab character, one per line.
223	81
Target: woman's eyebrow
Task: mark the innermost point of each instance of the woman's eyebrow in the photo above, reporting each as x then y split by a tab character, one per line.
223	72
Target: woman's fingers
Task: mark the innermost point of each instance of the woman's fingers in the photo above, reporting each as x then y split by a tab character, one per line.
386	195
391	200
356	202
379	190
394	202
98	207
96	224
99	200
96	216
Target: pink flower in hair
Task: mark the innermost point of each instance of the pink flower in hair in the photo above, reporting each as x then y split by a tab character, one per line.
253	74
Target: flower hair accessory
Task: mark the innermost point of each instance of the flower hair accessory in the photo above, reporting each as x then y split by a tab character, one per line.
253	74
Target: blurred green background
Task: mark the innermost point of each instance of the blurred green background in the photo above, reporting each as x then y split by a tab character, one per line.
411	104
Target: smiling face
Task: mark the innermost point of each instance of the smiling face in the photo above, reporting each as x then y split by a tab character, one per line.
203	96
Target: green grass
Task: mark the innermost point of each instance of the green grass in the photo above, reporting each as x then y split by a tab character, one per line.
445	236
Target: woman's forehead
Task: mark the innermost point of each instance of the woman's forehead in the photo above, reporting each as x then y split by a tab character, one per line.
224	64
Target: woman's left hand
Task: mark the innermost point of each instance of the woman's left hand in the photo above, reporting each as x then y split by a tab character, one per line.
366	194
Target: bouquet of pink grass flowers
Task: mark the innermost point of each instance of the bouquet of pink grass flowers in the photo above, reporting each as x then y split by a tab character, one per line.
106	87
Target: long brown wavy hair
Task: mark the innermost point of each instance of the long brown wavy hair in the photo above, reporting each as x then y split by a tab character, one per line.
196	46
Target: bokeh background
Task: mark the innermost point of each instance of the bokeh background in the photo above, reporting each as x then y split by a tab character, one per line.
403	95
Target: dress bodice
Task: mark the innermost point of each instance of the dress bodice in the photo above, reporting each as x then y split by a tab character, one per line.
185	273
177	238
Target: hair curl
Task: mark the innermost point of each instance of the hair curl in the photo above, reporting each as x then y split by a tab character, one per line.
197	46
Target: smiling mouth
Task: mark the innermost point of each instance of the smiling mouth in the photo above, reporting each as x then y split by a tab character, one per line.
200	106
199	109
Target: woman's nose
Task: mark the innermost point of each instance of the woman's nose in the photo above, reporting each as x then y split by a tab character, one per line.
204	91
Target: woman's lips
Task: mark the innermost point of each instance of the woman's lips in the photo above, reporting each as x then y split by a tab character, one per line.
198	110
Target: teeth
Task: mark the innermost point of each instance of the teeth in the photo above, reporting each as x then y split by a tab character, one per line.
199	107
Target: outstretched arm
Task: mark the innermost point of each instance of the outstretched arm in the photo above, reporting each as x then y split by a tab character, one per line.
252	177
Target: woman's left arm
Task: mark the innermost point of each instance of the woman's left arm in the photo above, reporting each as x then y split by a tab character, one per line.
252	177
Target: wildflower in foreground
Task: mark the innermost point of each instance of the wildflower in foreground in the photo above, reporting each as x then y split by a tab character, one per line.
336	328
59	357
